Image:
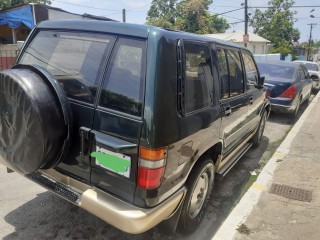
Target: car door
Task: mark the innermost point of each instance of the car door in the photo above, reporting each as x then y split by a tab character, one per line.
307	80
303	82
256	96
233	100
118	119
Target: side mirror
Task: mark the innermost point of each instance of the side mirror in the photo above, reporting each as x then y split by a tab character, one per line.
260	82
314	77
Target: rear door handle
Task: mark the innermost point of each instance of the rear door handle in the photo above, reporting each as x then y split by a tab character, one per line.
227	111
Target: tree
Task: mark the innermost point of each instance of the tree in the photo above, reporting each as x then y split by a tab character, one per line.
194	16
276	25
12	3
220	24
186	15
162	13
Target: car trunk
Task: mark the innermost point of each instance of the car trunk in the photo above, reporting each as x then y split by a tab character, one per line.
276	88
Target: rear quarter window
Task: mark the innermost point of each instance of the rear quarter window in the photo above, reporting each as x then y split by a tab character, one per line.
198	76
123	85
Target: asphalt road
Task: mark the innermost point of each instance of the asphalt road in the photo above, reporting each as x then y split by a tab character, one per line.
27	211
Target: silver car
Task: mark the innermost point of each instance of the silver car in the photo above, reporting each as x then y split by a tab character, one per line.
314	72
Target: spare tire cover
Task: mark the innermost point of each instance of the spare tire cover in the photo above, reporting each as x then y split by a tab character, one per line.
32	128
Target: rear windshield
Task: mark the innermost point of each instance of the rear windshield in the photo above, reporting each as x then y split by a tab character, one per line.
276	72
73	58
311	66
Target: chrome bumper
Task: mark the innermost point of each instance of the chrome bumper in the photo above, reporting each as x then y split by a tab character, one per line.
120	214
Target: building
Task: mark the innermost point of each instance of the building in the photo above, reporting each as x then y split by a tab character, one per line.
256	44
17	22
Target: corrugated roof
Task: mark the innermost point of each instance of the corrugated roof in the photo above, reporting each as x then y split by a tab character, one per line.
237	37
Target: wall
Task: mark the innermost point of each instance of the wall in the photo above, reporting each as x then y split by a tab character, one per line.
55	15
8	54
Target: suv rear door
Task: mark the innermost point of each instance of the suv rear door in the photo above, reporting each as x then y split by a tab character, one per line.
255	95
118	119
233	100
74	59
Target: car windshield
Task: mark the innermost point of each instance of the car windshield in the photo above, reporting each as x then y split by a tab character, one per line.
276	72
311	66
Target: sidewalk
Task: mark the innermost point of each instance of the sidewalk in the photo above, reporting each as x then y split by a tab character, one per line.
296	163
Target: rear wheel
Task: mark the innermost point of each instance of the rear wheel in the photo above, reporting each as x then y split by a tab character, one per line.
199	184
256	140
296	111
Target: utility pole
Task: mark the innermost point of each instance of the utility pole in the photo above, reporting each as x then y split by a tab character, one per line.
309	47
123	15
246	37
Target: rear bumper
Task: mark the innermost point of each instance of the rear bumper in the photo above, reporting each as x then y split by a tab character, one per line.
120	214
282	108
283	105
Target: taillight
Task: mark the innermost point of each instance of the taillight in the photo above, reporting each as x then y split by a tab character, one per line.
267	96
289	93
151	167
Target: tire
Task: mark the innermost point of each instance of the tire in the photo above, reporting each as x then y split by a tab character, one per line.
256	140
199	185
296	111
32	123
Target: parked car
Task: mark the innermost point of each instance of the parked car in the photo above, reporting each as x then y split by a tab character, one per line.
288	83
314	72
129	122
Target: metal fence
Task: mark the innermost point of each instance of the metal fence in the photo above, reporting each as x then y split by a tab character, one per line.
7	58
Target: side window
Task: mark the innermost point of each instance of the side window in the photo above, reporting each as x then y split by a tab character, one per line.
301	73
235	72
251	71
305	73
224	73
198	76
124	80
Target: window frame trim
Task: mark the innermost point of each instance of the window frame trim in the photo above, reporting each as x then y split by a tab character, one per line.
181	92
104	72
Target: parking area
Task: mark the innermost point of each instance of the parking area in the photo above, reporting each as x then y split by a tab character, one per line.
28	211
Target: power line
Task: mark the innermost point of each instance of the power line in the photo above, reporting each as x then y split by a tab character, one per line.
316	6
227	11
78	5
233	17
236	22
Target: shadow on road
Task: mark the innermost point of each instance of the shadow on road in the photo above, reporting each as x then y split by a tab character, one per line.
49	217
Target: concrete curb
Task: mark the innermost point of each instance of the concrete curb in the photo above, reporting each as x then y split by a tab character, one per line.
244	208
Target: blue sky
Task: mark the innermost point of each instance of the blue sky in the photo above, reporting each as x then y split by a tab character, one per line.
136	11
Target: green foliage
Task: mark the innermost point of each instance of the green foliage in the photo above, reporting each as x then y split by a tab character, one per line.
12	3
276	25
186	15
162	13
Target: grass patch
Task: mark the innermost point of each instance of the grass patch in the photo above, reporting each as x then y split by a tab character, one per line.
243	229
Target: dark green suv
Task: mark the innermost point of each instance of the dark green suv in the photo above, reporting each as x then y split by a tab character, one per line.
130	122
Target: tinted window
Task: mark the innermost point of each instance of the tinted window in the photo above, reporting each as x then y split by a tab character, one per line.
73	58
123	83
250	70
276	72
302	73
198	76
224	73
235	73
